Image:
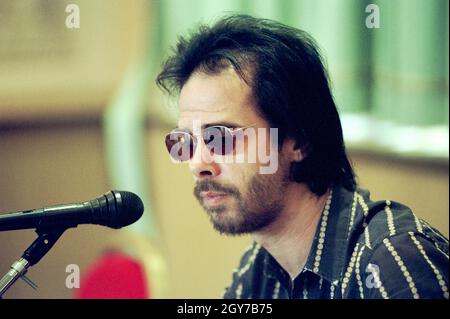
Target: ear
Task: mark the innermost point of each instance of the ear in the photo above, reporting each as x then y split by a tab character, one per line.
292	151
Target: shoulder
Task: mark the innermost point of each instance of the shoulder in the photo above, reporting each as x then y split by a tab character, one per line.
386	219
410	265
399	255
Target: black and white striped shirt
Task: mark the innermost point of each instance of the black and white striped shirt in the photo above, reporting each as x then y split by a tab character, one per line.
361	249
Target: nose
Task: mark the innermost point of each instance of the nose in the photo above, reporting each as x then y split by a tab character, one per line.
202	163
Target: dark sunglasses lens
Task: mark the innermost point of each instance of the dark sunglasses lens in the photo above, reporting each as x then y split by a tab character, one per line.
219	140
180	146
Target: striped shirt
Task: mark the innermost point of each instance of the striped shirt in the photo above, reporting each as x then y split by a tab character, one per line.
361	249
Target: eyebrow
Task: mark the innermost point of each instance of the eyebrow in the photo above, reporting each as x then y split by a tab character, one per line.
227	124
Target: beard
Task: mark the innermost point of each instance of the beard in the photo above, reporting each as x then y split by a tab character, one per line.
257	208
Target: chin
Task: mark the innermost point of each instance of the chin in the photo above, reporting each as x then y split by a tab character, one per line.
222	215
229	229
226	223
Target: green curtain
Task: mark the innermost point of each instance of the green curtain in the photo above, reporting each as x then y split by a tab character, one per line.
410	62
398	72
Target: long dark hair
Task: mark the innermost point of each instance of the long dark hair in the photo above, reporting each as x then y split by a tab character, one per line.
289	82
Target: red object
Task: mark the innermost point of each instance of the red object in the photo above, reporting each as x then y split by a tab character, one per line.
114	276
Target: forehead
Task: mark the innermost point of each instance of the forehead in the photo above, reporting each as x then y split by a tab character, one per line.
216	98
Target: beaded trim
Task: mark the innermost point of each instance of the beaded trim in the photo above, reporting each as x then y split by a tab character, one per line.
382	290
418	225
238	291
403	268
332	288
305	293
435	270
390	218
349	271
358	275
367	237
276	290
353	211
378	283
323	228
364	207
250	261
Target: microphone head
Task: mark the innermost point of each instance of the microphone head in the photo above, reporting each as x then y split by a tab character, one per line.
129	208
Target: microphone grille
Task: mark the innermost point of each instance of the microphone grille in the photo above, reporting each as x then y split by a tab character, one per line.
131	208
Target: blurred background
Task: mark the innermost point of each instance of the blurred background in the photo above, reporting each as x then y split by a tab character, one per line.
80	114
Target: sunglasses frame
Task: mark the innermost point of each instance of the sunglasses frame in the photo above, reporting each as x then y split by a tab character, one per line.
194	139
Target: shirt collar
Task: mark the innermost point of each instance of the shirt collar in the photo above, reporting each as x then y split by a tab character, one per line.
327	255
333	249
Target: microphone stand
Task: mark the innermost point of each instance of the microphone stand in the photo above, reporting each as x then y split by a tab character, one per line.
46	239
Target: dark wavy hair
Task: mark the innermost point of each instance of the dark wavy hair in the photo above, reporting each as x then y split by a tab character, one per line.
289	83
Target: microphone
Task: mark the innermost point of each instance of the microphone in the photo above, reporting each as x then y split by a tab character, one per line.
114	209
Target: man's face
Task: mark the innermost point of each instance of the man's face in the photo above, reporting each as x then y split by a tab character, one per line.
237	197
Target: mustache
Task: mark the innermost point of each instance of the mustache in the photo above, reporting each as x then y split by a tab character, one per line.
212	186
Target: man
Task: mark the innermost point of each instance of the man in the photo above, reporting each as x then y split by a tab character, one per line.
317	235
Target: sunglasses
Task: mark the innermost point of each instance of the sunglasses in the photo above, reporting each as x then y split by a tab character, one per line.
220	140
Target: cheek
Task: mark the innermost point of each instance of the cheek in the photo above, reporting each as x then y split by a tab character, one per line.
238	175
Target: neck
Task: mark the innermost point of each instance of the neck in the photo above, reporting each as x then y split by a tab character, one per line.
288	239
